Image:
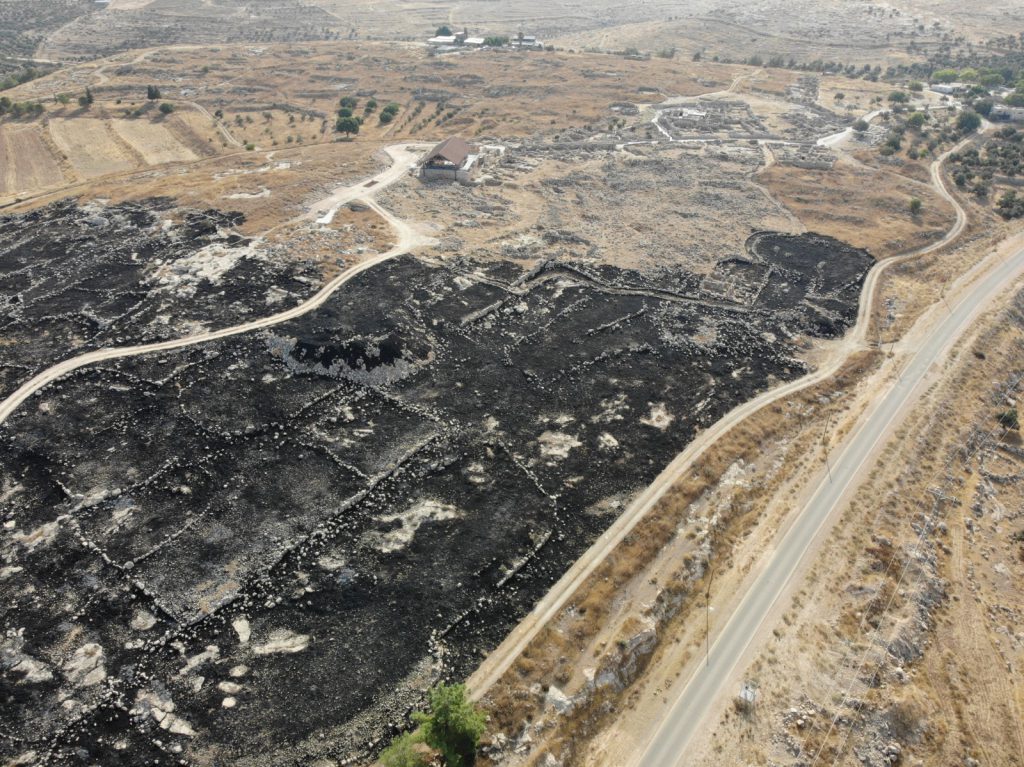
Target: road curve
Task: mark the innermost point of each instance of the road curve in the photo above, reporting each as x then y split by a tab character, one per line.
402	157
499	661
668	746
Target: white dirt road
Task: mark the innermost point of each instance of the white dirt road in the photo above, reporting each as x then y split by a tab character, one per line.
403	157
499	661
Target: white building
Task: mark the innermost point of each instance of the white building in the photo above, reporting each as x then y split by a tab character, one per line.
1004	113
948	89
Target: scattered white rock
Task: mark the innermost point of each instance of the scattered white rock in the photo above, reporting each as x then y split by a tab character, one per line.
160	706
7	572
558	700
282	641
241	627
43	535
659	417
411	520
264	192
86	667
143	620
212	652
557	444
229	702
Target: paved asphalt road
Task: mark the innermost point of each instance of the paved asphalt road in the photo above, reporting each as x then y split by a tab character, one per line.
668	748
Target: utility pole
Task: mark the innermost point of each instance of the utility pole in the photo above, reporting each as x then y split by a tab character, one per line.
824	442
707	604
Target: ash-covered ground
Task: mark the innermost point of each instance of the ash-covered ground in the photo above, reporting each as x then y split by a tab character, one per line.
264	550
75	278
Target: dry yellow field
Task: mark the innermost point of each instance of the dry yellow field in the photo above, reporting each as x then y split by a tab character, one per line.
26	164
153	141
90	147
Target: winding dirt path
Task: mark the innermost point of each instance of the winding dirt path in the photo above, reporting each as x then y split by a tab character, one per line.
402	157
499	661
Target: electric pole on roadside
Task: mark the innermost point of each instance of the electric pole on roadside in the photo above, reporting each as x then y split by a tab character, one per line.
824	442
707	603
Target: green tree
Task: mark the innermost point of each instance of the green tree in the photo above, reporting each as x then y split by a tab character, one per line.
166	108
899	97
968	121
861	126
983	107
403	752
916	120
345	112
453	726
347	125
387	114
348	102
152	92
915	87
945	76
915	206
85	100
444	31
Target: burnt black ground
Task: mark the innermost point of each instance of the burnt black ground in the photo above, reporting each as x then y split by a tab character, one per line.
76	278
276	543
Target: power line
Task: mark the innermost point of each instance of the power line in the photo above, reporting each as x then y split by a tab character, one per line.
910	557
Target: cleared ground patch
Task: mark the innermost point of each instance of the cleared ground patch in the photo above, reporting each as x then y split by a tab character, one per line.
90	147
153	141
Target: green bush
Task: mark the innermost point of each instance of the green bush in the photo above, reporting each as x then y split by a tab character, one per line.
968	121
1009	419
402	752
453	726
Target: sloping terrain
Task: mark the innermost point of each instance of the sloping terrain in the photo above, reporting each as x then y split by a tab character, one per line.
77	278
267	548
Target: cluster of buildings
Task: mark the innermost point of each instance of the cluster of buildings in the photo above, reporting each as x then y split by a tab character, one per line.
464	40
1000	112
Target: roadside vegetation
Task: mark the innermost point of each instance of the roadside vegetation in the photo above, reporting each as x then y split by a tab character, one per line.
451	729
999	160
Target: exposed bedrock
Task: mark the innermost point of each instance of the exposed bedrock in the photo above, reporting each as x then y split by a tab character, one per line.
264	550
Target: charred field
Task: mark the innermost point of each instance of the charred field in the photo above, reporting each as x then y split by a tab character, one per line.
79	277
264	550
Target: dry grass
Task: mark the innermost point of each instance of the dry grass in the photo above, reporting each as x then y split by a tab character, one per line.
866	207
600	602
963	697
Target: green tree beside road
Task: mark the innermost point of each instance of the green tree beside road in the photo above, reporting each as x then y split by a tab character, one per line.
452	727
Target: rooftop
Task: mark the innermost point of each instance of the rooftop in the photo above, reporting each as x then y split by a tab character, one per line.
454	150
